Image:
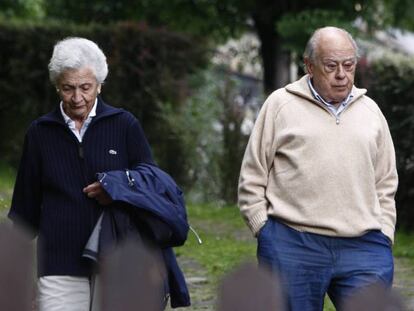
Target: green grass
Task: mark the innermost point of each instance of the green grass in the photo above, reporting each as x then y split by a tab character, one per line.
7	177
226	240
404	246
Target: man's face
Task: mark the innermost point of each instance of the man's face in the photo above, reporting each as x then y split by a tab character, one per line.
78	90
333	69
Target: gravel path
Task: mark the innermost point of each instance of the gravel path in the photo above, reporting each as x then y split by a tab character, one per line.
404	282
202	290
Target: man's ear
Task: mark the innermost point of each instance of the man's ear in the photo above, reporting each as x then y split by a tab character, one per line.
308	67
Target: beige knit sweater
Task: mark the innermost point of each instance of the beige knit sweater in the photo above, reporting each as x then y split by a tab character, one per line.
316	173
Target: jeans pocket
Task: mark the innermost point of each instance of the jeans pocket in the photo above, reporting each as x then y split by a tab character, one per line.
387	239
263	229
377	236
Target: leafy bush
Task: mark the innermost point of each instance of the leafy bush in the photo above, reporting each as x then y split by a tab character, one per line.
209	125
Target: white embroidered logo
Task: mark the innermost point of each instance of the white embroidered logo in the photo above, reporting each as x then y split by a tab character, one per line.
112	151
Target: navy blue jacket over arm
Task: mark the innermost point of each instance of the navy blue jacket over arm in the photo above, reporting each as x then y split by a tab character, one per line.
155	206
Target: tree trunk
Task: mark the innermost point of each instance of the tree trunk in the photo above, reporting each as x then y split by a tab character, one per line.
276	61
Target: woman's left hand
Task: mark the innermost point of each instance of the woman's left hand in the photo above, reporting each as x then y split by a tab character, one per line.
96	191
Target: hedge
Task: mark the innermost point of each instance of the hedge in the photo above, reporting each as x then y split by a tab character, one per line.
147	68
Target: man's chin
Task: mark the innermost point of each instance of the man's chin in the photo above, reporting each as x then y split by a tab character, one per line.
340	96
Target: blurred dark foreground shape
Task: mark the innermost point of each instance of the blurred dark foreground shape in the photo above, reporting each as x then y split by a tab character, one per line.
131	279
16	269
250	288
374	298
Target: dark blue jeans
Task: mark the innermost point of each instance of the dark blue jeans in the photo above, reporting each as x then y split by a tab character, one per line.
311	265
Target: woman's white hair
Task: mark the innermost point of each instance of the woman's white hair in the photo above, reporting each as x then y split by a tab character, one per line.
77	53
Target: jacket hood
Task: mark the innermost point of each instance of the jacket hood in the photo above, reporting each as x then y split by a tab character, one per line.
301	88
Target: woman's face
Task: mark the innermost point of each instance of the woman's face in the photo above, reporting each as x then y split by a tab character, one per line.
78	90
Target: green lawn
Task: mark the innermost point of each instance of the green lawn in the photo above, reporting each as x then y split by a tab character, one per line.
226	240
404	245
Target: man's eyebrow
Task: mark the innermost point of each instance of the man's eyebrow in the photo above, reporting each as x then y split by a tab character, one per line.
344	59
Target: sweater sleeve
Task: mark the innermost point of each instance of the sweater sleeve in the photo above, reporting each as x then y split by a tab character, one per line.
27	195
257	161
139	150
386	180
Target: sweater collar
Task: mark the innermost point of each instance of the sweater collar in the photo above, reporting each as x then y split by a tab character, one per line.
301	88
102	110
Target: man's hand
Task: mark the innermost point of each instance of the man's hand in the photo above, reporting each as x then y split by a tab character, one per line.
96	191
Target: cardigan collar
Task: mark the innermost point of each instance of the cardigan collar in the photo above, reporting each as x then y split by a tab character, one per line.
102	110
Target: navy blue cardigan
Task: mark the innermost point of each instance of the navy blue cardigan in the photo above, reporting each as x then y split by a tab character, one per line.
54	169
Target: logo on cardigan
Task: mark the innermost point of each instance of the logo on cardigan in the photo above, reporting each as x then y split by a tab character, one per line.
113	152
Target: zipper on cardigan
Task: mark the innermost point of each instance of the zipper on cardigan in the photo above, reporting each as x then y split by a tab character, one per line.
80	151
324	107
81	154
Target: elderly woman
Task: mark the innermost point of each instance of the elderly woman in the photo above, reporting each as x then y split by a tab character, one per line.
56	194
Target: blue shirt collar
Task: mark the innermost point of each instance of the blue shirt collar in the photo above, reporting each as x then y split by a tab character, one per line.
319	98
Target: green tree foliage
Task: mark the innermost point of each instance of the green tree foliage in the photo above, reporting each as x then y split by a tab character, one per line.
96	11
215	19
297	28
202	17
397	13
280	25
32	9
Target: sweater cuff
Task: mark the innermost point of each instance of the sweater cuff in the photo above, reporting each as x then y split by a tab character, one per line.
257	221
388	231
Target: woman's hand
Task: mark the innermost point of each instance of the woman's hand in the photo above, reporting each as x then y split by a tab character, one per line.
96	191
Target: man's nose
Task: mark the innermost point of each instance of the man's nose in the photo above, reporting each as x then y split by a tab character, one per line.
340	72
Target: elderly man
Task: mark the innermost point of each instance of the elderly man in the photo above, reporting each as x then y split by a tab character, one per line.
318	180
56	194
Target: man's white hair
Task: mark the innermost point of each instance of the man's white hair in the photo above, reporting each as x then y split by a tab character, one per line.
77	53
310	50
